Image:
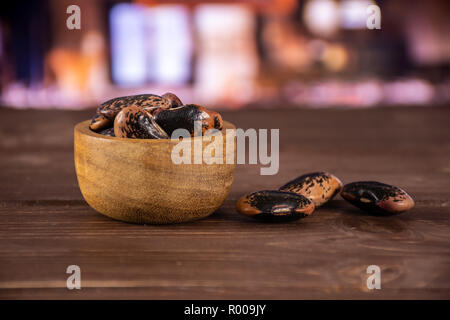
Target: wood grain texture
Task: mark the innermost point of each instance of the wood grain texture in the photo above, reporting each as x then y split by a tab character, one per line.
45	225
136	180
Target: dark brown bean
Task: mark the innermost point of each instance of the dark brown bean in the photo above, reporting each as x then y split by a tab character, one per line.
274	206
135	122
99	123
111	108
218	121
108	132
175	102
377	198
184	118
319	187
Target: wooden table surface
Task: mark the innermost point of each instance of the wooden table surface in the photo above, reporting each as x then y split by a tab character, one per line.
45	225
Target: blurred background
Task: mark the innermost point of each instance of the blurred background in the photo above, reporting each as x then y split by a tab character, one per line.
226	54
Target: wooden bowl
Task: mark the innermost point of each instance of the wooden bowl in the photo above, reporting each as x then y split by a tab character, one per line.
135	180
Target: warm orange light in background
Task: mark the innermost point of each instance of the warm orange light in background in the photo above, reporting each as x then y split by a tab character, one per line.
79	72
228	54
227	62
263	6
